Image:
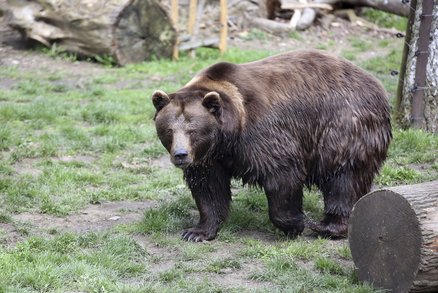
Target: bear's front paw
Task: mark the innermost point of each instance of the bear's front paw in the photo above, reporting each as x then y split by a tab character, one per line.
291	227
197	234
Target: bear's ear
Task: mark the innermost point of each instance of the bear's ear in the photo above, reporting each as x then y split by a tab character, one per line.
160	99
212	101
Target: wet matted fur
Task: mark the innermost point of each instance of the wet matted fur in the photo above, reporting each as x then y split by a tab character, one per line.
292	120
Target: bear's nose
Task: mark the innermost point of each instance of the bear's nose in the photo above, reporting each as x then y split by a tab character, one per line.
180	154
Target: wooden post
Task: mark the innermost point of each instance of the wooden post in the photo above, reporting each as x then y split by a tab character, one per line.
190	42
192	16
224	26
393	236
175	19
191	23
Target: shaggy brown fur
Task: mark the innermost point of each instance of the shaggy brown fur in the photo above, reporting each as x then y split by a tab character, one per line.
284	122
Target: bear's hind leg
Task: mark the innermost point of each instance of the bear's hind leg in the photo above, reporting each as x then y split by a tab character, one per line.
286	208
340	194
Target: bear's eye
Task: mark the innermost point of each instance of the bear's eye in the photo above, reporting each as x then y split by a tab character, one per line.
191	132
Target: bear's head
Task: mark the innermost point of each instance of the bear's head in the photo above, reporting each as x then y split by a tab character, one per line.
189	124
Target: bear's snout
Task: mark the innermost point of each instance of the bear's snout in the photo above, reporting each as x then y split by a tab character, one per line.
181	158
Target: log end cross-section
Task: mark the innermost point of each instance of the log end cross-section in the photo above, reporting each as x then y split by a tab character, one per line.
127	30
393	236
143	30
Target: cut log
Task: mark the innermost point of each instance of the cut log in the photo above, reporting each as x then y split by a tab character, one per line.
393	235
127	30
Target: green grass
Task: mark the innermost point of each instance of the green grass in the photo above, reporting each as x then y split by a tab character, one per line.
65	144
296	35
360	44
255	34
169	217
385	19
413	157
349	54
382	66
92	263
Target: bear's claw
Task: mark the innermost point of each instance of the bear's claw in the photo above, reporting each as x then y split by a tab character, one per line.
195	235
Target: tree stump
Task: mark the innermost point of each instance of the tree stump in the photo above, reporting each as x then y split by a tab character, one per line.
127	30
393	235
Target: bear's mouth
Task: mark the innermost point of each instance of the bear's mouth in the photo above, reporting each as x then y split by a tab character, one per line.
181	163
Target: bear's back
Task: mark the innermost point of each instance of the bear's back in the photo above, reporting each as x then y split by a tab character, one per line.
316	110
311	76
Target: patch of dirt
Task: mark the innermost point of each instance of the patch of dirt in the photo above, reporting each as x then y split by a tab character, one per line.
9	234
7	83
237	278
27	167
161	162
339	34
81	158
259	235
94	218
167	259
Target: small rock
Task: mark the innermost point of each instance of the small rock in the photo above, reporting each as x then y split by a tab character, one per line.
115	218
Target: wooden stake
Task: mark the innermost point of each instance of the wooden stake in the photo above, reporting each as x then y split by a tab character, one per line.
174	16
224	26
192	16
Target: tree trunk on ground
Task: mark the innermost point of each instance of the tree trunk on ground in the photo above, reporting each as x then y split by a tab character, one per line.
261	13
393	235
391	6
417	97
127	30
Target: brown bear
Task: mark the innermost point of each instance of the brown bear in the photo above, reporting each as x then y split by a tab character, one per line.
292	120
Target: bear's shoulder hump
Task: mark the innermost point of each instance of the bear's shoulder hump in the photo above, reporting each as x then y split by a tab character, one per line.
221	70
